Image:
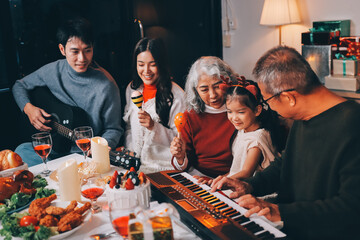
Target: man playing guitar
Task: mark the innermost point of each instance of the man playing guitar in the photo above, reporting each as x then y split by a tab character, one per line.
76	81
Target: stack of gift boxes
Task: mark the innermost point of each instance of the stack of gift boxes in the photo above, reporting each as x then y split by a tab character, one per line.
333	54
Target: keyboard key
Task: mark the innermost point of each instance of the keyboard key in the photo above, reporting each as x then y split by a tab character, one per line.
242	219
265	235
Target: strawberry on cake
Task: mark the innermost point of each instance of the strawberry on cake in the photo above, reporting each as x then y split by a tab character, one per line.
132	189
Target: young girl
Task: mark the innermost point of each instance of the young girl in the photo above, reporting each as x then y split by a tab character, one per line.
150	130
258	137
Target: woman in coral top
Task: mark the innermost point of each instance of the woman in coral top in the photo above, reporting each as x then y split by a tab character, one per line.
204	144
150	129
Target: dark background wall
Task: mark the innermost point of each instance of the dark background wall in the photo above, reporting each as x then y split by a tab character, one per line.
190	29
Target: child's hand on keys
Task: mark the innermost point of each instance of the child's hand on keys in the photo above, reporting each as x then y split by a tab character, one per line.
203	180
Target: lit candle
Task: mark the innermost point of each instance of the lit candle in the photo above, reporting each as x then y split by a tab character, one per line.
69	181
100	154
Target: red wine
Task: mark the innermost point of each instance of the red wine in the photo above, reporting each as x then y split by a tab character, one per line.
121	225
92	193
83	144
43	150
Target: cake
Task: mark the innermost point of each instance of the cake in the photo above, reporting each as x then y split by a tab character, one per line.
131	189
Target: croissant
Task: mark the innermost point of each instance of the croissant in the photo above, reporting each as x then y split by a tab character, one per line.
9	159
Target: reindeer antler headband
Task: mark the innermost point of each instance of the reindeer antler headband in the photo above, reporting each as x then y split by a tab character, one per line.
242	82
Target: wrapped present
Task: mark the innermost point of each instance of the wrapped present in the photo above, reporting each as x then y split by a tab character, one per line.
345	65
340	82
354	50
319	58
320	37
154	224
342	25
352	45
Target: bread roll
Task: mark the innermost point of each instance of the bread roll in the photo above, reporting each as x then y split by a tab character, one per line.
9	159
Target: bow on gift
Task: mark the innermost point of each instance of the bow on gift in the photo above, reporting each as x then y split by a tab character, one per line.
342	57
242	82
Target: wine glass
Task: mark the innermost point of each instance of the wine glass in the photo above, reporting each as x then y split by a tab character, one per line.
42	144
92	187
82	138
119	217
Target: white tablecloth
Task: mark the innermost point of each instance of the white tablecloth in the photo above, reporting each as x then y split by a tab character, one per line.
100	222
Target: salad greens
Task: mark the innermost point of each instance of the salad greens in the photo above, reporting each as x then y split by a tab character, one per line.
39	182
11	228
17	200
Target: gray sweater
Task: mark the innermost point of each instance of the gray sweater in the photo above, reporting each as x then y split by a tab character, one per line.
95	91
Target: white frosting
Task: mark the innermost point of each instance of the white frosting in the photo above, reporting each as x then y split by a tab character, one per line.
139	196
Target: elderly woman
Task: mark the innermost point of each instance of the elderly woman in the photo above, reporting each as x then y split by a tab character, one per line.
204	145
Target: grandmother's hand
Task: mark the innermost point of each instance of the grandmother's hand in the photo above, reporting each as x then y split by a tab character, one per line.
145	119
177	149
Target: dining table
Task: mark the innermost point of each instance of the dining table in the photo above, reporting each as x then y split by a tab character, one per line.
100	222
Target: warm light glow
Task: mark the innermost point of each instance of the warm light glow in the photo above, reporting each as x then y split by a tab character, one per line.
311	58
279	12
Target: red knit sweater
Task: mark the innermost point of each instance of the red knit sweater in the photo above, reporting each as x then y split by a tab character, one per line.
207	138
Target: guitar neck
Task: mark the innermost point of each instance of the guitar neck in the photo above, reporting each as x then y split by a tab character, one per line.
69	134
122	158
62	130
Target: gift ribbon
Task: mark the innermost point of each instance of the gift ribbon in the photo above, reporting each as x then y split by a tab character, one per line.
341	56
314	30
322	29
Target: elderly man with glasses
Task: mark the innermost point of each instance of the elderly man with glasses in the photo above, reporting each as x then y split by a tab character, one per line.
318	176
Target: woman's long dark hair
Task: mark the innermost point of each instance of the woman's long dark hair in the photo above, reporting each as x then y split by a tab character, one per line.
164	96
268	119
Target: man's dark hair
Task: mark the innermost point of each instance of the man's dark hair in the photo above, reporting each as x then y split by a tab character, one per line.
77	27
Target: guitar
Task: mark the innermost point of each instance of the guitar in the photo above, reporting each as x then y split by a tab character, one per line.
64	118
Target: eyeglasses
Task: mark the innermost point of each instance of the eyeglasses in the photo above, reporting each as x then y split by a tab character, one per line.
279	93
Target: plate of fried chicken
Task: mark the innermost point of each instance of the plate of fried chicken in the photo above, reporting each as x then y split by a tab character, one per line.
67	217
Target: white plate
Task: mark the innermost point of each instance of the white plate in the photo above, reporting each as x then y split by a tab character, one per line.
68	233
9	172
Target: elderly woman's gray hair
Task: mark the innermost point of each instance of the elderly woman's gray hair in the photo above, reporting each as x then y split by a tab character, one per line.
210	66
